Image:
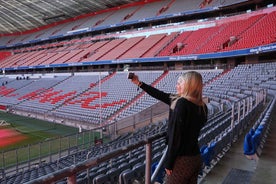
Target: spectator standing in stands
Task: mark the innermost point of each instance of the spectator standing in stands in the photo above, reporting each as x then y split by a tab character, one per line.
187	115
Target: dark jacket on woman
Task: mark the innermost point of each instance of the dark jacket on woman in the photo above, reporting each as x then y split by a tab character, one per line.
185	121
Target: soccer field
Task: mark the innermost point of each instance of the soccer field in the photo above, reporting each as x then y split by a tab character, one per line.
26	139
23	131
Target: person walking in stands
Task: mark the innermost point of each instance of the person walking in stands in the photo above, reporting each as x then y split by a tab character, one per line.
187	115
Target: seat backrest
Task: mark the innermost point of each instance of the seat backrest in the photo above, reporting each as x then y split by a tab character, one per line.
248	147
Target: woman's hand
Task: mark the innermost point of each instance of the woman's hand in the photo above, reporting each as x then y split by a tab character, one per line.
168	172
135	80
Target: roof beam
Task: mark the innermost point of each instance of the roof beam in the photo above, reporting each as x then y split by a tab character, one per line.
5	27
30	16
63	9
11	13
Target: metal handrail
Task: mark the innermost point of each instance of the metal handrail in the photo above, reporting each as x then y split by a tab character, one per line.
71	172
154	174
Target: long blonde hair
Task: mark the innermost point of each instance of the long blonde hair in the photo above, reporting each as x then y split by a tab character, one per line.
192	87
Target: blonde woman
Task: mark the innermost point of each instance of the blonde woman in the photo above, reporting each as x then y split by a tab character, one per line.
187	115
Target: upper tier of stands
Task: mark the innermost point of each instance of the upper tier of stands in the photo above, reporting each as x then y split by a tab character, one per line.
231	35
119	15
227	34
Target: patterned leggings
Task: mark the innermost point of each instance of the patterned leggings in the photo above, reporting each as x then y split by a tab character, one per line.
185	170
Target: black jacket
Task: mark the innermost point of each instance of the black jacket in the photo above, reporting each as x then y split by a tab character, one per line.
185	121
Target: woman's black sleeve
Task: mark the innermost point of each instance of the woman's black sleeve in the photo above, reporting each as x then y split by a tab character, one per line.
155	93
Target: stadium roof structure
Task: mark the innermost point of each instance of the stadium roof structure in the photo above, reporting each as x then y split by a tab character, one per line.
21	15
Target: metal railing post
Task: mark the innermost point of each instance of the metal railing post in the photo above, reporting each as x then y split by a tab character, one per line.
71	172
148	163
153	176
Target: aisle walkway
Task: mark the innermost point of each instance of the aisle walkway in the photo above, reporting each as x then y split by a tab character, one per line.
233	159
234	166
266	168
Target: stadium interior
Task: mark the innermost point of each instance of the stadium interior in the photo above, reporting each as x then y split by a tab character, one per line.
67	62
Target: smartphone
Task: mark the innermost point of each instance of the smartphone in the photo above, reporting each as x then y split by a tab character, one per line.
130	75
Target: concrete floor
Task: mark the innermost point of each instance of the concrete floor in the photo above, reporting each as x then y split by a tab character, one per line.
264	171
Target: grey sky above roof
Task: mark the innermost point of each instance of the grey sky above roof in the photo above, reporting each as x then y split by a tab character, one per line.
21	15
